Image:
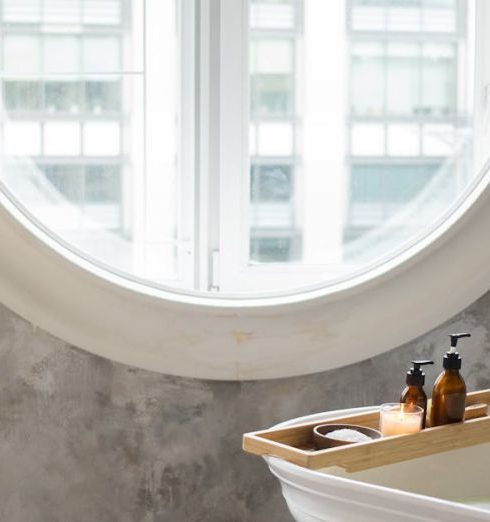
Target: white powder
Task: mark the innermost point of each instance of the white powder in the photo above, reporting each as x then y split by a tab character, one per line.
348	435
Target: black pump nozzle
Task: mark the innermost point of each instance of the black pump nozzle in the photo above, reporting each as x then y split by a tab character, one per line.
456	337
452	360
415	376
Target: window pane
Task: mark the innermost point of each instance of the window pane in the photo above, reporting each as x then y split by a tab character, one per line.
367	139
102	184
101	54
65	96
61	54
67	180
271	183
102	12
21	95
403	140
272	56
275	139
272	250
273	14
21	11
439	80
403	79
368	79
103	96
101	139
61	138
272	94
21	53
22	137
61	12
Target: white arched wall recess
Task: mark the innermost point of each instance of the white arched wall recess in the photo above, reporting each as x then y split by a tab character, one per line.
219	338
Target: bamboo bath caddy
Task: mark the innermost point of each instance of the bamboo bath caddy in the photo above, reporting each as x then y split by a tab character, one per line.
295	444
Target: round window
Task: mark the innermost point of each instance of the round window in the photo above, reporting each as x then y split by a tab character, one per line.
245	188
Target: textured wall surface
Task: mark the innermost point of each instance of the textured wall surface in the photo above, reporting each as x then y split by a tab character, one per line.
83	439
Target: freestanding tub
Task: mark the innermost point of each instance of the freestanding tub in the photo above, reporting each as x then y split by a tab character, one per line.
447	487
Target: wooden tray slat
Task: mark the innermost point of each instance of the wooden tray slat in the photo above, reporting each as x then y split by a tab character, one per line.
294	443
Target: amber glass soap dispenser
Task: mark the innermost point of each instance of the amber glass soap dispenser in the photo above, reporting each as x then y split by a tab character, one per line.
414	392
449	394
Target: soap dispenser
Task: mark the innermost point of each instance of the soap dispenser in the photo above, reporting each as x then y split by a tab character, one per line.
414	392
449	394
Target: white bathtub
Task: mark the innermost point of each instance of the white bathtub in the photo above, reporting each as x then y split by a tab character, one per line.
447	487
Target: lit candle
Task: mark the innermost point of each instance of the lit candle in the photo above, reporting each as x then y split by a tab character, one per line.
400	419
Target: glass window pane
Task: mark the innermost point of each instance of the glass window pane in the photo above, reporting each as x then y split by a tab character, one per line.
272	14
67	180
275	139
101	54
272	56
61	138
271	183
271	249
439	80
403	82
272	94
368	17
62	96
22	96
61	54
103	96
404	18
403	140
21	53
102	12
367	139
22	138
61	12
21	11
439	140
368	80
441	18
102	183
101	139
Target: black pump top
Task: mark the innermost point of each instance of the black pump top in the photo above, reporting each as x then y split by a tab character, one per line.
456	337
452	360
415	376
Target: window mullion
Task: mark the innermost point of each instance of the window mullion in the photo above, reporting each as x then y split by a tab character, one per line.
207	211
187	253
234	123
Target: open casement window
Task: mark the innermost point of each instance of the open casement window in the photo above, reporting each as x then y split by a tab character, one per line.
198	173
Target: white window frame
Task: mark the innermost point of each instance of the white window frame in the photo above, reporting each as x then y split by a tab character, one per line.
217	337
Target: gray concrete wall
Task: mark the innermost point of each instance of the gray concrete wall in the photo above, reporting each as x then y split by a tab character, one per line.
83	439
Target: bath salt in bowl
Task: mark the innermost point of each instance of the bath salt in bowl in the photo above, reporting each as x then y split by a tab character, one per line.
349	435
332	435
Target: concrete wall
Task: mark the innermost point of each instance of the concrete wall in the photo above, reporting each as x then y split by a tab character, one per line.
83	439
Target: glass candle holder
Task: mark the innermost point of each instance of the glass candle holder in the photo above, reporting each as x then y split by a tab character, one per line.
400	419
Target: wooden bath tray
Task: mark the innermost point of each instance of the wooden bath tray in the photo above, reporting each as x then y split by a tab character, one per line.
295	443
